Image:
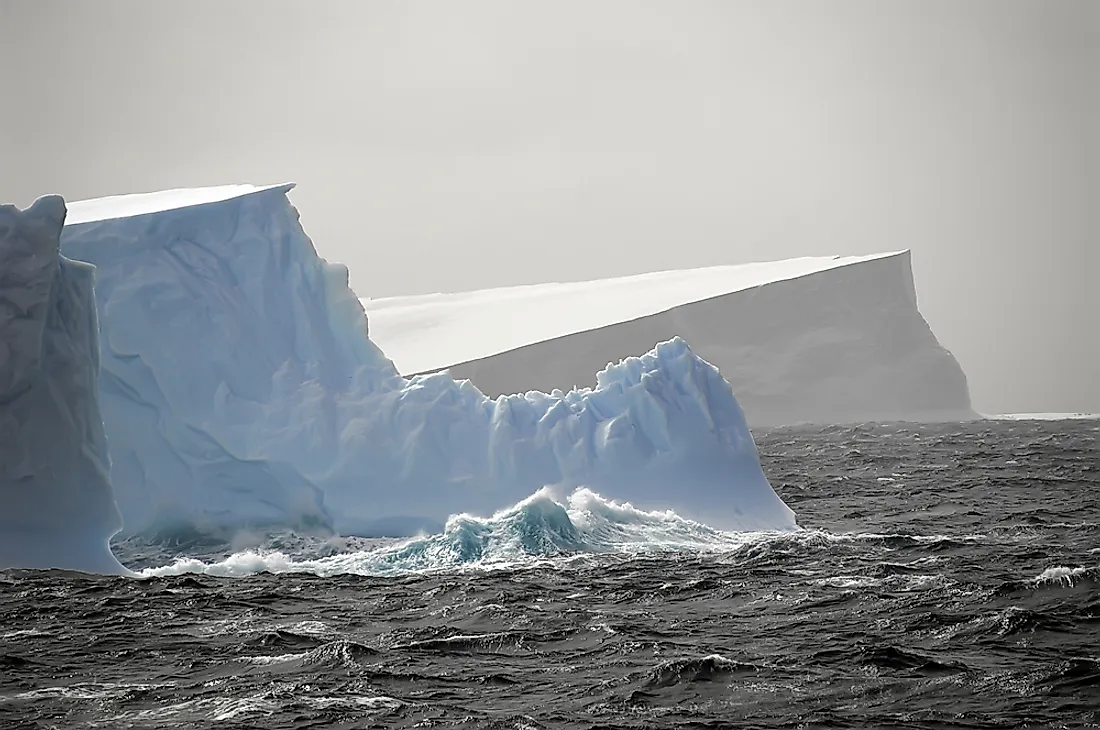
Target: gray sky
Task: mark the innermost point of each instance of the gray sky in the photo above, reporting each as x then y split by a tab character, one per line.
453	145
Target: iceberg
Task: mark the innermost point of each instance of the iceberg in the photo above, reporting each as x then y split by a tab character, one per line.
181	328
57	509
818	339
241	388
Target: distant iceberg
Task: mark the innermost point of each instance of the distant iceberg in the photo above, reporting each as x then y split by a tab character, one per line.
240	389
831	339
56	504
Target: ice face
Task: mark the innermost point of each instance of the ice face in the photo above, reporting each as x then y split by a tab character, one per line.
199	304
56	505
241	389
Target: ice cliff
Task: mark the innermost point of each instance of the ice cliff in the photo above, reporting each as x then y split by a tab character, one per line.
56	505
819	340
240	388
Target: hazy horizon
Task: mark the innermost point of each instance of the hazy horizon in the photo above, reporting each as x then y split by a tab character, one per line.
443	147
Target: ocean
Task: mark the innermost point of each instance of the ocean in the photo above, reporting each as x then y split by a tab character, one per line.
947	576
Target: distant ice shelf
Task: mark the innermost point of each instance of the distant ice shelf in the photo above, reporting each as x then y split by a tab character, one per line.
240	389
1044	416
828	340
56	505
429	332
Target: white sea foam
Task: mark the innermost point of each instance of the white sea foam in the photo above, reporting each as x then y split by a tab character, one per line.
1063	574
545	527
537	527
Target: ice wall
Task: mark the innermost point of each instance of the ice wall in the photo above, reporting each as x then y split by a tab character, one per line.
200	302
240	385
826	340
56	505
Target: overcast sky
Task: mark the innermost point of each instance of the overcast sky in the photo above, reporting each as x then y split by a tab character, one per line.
443	146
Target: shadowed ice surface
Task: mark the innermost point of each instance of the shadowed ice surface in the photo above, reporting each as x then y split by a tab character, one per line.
56	504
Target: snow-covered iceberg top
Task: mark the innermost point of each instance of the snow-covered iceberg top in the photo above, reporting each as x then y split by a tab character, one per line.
56	505
428	332
128	206
241	389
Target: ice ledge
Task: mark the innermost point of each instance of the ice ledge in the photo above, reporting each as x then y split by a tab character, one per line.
129	206
430	332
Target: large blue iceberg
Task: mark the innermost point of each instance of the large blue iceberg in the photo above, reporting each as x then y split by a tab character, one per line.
56	505
240	389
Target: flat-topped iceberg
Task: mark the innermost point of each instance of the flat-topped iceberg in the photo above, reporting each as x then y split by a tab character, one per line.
241	389
56	505
830	339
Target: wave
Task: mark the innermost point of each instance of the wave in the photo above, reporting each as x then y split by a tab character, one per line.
1065	575
545	527
537	527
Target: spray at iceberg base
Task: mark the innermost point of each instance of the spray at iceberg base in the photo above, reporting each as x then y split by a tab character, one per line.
241	391
544	525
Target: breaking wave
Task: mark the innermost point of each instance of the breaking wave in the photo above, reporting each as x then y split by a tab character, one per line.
1064	575
537	527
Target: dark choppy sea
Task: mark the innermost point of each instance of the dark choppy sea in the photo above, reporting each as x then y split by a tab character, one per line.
947	578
